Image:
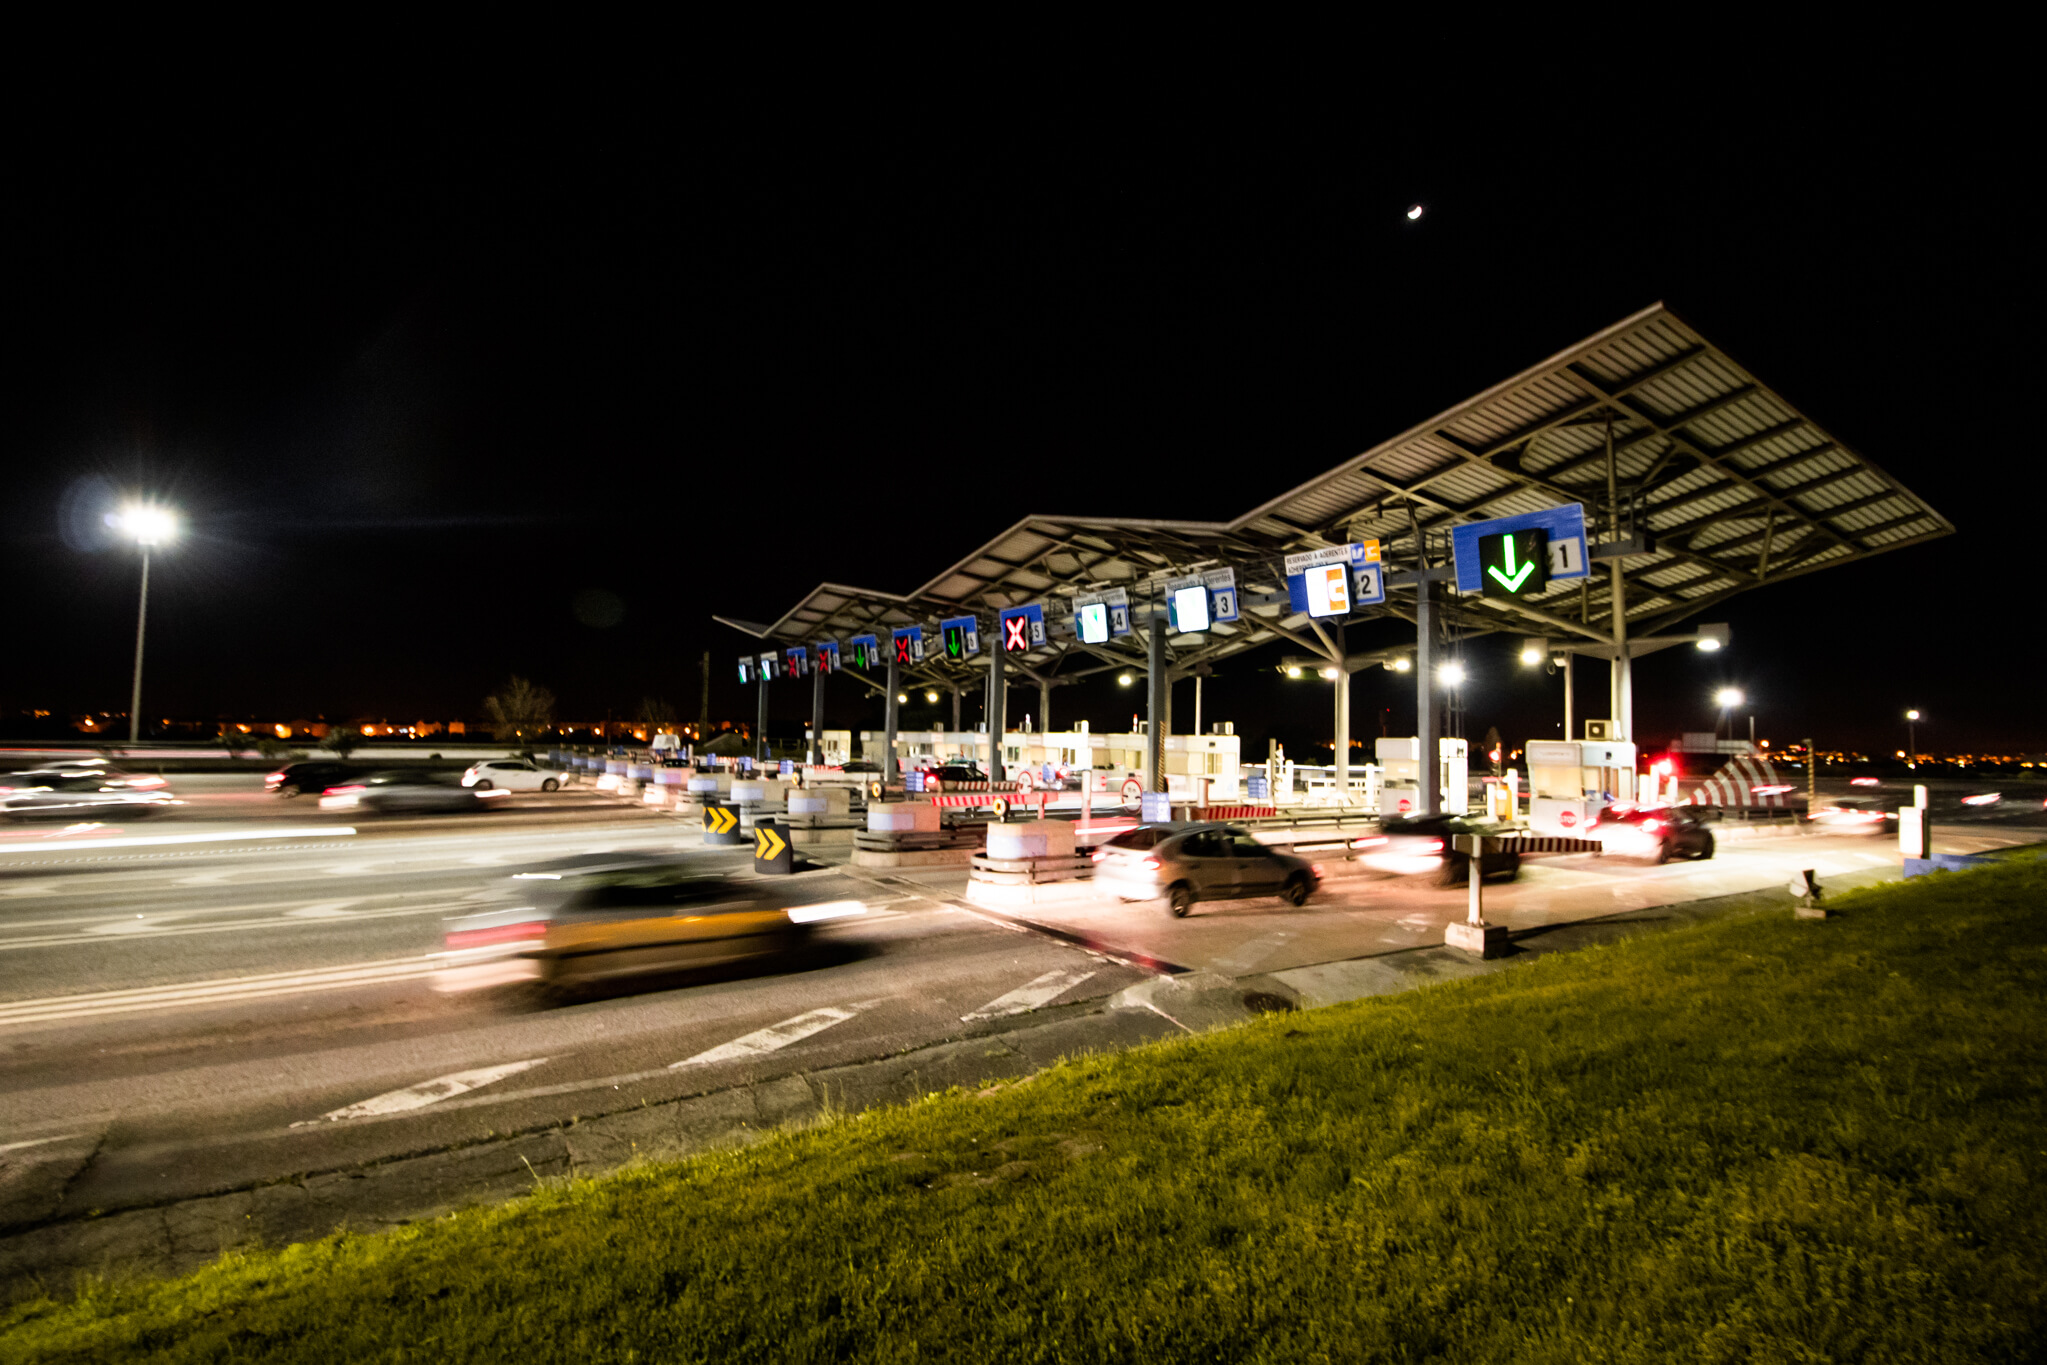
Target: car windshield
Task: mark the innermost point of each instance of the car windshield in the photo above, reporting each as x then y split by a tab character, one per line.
1144	836
655	888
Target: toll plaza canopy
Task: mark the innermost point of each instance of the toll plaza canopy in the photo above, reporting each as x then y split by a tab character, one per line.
1697	482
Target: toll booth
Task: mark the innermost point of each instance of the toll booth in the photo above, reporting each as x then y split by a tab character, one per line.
1401	793
1197	766
1571	781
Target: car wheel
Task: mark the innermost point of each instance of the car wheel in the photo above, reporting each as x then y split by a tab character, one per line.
1456	868
1296	893
1180	899
484	785
1705	849
288	791
1663	851
549	784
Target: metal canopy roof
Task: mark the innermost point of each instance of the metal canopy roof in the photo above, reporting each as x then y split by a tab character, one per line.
1730	484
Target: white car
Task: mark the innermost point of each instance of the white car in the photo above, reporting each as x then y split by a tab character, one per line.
513	774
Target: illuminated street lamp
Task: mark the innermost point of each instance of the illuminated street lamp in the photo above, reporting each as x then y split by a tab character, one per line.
1912	738
150	526
931	697
1293	670
1728	698
1124	679
1451	674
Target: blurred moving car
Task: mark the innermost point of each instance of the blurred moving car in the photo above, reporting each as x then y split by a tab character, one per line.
599	916
514	774
1854	815
74	790
1425	845
1189	863
313	775
1658	833
947	776
399	792
859	765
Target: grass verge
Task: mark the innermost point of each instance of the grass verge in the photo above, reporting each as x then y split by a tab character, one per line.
1752	1140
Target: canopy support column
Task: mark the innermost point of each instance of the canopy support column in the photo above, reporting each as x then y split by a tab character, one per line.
1155	706
817	715
1428	759
889	773
998	713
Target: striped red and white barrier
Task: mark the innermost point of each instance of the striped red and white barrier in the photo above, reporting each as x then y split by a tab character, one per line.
1238	812
1745	781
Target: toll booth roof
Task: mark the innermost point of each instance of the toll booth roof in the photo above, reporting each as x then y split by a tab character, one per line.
1720	485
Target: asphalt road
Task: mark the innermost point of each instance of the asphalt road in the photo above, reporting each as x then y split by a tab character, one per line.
185	1018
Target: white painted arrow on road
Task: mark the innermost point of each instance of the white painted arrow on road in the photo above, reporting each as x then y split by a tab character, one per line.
776	1036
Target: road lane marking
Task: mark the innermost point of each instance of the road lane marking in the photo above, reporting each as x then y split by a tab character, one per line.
425	1093
776	1036
1029	996
37	1142
180	931
102	1003
158	840
324	910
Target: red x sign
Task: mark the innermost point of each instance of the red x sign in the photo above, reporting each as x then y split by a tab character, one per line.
1016	634
902	649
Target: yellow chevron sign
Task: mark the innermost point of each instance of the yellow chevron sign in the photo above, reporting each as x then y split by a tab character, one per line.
720	819
768	845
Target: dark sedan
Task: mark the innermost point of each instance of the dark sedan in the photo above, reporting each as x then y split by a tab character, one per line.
1658	833
314	775
1427	845
399	792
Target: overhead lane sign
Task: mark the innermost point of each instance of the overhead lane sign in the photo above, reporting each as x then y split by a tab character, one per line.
827	656
1023	628
1516	563
1222	594
1562	551
962	637
909	643
1187	608
1101	615
866	651
799	661
746	666
769	671
1322	582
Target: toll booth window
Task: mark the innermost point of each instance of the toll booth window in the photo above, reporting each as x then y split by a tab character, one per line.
1146	837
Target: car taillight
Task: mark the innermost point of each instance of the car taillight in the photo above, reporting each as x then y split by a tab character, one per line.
1652	825
147	782
1435	846
1100	854
274	777
1151	862
1316	868
344	791
503	933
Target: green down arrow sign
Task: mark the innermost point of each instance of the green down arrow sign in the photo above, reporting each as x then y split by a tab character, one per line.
1515	563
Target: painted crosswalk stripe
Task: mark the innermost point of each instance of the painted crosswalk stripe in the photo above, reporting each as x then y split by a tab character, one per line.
776	1036
426	1092
233	989
1029	996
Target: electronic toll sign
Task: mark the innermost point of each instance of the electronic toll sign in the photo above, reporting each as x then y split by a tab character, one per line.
746	670
827	656
866	651
909	643
1023	628
961	636
1514	563
799	662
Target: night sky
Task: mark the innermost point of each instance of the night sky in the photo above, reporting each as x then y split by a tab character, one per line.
446	398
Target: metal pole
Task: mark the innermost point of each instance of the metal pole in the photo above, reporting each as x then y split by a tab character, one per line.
817	716
956	694
1342	715
1045	708
1570	699
760	723
998	714
1812	776
888	719
1623	698
1197	704
141	618
1155	706
1426	745
704	713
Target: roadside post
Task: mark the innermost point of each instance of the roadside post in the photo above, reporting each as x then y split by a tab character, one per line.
721	822
772	854
1474	935
1915	831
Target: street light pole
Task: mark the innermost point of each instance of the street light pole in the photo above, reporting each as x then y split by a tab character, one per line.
141	620
1911	718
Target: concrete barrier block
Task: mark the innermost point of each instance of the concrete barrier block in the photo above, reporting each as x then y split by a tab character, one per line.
808	803
1031	839
749	791
901	817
